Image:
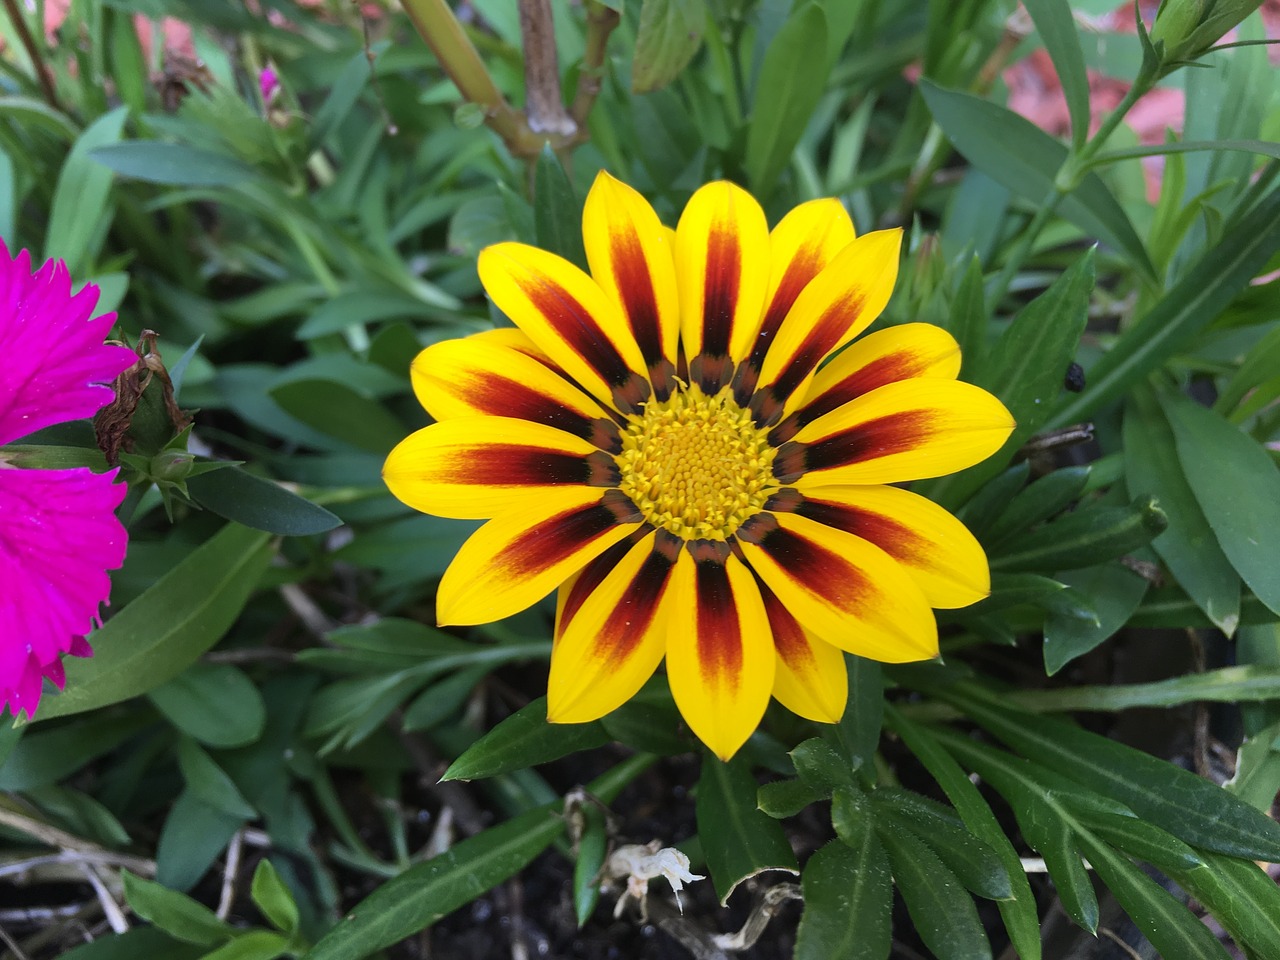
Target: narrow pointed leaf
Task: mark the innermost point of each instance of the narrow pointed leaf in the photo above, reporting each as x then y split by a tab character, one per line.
164	630
524	739
738	839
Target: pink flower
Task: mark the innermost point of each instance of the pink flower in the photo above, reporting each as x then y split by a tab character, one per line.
58	531
268	84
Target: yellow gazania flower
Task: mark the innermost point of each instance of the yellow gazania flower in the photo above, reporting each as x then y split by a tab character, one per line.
657	441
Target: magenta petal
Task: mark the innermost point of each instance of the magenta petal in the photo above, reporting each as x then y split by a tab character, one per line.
55	365
59	536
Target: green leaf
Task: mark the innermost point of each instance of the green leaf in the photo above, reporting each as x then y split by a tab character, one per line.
1057	28
821	767
859	728
1019	911
985	507
344	92
1190	808
421	895
207	781
1036	503
215	703
1237	485
669	34
940	909
273	898
524	739
164	630
339	411
80	198
44	757
253	945
969	858
174	913
1194	302
174	164
1026	368
968	320
1241	895
788	89
786	798
848	893
241	496
367	305
439	701
593	845
557	212
1015	152
149	942
651	727
1172	929
1086	537
1142	840
194	835
1115	592
1227	685
1188	545
1046	823
739	841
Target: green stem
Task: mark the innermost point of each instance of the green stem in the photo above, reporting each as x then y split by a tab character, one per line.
460	60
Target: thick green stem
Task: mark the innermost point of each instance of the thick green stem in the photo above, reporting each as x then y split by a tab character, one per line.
460	60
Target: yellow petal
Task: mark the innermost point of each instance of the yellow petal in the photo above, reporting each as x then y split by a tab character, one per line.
470	377
800	247
843	589
722	268
514	561
886	356
720	657
474	468
631	258
811	680
835	307
616	638
570	319
935	548
902	431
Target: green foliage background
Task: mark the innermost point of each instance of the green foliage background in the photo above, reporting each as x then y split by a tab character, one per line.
270	641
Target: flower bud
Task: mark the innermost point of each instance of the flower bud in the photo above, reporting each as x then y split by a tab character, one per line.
1189	28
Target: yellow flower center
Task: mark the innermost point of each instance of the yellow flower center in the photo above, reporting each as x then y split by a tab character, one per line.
696	465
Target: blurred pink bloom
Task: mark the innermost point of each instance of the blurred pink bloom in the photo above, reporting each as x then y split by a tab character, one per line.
268	84
58	530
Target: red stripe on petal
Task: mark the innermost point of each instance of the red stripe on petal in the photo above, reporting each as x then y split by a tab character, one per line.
575	324
635	287
627	623
560	536
724	268
590	577
826	573
507	398
892	536
788	637
887	369
719	633
822	339
877	438
513	465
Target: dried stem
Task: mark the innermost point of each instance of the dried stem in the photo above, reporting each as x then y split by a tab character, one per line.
230	876
544	104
